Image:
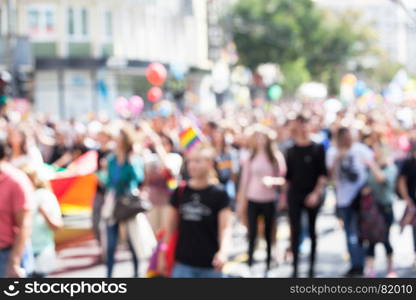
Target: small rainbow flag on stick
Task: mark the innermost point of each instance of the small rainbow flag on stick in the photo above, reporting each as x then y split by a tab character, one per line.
189	138
172	184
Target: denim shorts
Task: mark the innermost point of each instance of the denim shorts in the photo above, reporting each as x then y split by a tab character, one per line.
187	271
4	260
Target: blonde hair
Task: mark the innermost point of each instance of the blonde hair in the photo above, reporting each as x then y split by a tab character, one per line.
37	181
207	151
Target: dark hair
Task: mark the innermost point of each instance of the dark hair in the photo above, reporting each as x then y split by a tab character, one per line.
212	125
302	118
223	141
269	150
341	131
3	149
23	132
128	136
168	139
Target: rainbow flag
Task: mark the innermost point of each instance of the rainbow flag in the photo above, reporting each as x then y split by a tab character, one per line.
189	138
172	184
75	194
86	164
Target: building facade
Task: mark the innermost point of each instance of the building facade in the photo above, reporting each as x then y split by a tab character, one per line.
395	28
88	52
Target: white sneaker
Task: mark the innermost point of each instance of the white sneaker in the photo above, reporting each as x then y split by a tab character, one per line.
247	272
392	274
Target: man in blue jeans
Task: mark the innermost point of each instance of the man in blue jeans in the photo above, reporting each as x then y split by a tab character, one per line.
349	216
347	162
15	217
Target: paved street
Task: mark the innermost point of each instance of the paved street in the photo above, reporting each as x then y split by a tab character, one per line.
83	260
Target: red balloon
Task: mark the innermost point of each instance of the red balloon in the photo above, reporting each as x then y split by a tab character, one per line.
156	74
154	94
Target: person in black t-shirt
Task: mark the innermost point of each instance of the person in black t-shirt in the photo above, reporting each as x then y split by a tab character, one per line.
407	185
306	179
201	213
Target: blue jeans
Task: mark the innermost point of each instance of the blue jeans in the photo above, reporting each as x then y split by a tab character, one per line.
186	271
28	259
414	239
27	262
112	241
350	218
4	260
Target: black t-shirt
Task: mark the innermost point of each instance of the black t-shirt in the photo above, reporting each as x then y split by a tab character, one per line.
57	152
198	224
305	164
409	171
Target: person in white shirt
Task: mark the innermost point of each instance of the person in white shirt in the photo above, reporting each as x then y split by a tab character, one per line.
347	162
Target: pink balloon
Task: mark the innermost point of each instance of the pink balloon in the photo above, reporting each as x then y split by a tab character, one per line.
121	106
136	105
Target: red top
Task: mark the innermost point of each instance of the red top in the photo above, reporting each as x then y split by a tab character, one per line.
16	192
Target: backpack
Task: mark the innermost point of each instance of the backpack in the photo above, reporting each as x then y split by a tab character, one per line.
372	226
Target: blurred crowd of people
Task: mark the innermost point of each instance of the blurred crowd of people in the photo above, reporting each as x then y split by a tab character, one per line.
247	166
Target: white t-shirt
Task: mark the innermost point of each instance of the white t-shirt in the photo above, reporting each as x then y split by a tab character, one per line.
32	158
351	173
42	235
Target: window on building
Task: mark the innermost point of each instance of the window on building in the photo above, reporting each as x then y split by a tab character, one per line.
78	22
187	7
84	22
34	20
49	21
41	22
71	21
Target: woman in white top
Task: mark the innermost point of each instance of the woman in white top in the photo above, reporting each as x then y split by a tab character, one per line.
47	219
23	149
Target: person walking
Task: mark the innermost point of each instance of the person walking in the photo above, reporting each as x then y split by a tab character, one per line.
381	183
47	219
407	186
200	213
347	162
262	172
125	174
16	204
306	178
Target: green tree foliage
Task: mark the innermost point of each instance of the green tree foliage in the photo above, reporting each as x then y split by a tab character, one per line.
298	36
295	73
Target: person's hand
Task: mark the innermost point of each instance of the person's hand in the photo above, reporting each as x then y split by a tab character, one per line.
15	271
411	205
312	200
219	261
242	211
282	203
365	191
270	181
162	264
